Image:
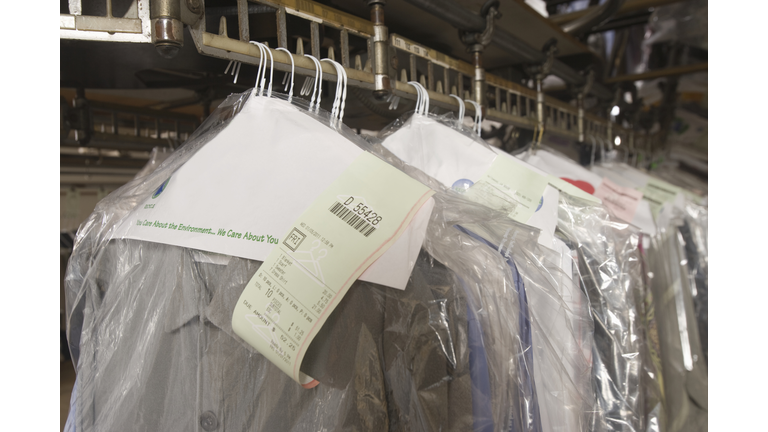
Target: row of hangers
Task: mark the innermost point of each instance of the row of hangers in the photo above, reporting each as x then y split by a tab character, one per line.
312	86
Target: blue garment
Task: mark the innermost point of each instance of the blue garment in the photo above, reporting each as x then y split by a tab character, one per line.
528	392
478	369
69	426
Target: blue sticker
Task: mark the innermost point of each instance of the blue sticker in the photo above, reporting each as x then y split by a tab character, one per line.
462	185
160	189
541	203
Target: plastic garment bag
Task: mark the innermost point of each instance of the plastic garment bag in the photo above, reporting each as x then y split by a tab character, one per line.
149	327
694	230
622	174
561	166
609	267
554	163
556	327
683	363
156	157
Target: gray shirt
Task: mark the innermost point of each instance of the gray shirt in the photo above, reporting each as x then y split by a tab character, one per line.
157	352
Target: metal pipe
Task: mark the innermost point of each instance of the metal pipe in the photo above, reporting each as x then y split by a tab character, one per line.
539	105
621	22
580	120
242	20
98	170
459	17
380	63
167	28
661	73
593	18
94	179
478	81
232	10
629	6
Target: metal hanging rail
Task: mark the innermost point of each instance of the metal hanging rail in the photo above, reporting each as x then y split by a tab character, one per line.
508	103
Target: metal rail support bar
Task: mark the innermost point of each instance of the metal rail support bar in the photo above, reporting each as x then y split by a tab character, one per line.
380	63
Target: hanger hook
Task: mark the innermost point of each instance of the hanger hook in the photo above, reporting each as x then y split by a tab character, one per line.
290	56
341	89
264	51
337	97
271	69
424	98
461	109
602	149
420	96
343	93
262	64
478	116
317	90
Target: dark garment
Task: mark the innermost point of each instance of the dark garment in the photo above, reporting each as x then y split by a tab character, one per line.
609	274
683	365
157	352
698	271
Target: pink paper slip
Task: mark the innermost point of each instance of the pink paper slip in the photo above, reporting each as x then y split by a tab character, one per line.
622	201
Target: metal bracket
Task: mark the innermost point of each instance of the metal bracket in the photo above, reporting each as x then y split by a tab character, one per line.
476	43
167	28
133	27
539	72
78	118
192	11
580	92
382	52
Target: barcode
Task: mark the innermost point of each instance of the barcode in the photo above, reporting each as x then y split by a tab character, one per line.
352	219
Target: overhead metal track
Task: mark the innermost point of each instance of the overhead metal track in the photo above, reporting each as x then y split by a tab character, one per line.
661	73
594	17
508	103
628	7
463	19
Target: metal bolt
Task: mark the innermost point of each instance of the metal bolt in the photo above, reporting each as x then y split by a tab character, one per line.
194	6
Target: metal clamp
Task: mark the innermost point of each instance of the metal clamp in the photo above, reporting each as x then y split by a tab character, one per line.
380	33
476	43
381	51
580	92
167	28
539	72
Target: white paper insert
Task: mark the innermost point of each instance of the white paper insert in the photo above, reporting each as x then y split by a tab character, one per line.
240	192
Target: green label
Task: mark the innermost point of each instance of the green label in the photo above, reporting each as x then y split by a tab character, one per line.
351	224
523	185
657	193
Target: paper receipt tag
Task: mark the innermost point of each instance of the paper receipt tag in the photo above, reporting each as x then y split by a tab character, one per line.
352	223
622	201
521	184
657	193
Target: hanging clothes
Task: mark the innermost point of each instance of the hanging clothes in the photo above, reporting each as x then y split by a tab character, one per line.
149	326
415	139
